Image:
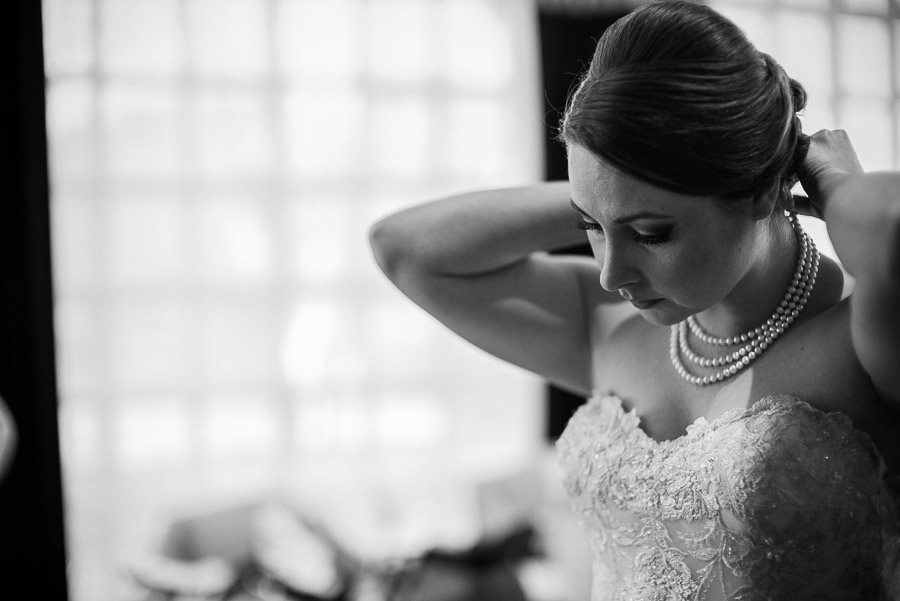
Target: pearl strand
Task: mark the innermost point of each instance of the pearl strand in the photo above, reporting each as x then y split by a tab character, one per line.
763	336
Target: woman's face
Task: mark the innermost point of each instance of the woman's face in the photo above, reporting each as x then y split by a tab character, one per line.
670	254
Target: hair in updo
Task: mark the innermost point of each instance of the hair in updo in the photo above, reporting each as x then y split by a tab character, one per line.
677	96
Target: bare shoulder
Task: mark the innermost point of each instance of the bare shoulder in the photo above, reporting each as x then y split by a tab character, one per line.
829	341
838	381
609	315
819	357
820	365
631	356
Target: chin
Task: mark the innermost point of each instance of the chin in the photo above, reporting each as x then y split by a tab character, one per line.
658	320
664	314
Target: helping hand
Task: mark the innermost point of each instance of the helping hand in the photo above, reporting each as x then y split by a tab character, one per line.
830	160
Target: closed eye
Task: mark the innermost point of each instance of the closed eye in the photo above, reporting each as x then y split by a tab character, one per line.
589	225
649	240
645	239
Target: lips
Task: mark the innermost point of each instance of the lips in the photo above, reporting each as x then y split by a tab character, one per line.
644	304
637	302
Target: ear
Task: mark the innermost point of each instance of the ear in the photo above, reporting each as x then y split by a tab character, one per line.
762	205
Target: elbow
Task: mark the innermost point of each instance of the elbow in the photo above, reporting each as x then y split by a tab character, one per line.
390	246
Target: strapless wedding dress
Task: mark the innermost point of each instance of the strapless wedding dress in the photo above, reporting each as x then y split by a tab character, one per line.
777	502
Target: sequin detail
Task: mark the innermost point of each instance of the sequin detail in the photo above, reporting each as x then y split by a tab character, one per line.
777	502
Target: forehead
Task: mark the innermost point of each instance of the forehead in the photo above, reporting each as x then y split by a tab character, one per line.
607	193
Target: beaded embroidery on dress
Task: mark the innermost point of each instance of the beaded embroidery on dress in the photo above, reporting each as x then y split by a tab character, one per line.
777	502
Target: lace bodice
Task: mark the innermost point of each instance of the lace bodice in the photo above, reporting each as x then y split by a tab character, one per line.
777	502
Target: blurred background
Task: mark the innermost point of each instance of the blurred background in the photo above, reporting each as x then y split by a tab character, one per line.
222	334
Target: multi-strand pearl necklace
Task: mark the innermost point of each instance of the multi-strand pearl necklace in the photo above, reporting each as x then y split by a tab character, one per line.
754	342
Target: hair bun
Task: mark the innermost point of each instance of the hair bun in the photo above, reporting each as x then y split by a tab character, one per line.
798	95
677	96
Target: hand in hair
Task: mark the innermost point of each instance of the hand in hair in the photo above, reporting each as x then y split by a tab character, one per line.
830	159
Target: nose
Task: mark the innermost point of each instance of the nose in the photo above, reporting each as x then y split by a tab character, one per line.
617	268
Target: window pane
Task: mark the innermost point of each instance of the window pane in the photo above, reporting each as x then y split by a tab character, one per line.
81	436
149	236
478	51
398	349
234	244
400	34
140	36
412	422
797	32
76	242
71	128
68	36
863	51
149	346
325	131
869	125
140	128
233	135
151	433
331	422
314	429
319	37
319	232
235	347
401	132
240	428
475	123
79	348
227	37
319	344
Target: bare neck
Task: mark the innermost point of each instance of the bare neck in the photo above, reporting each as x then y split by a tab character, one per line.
761	289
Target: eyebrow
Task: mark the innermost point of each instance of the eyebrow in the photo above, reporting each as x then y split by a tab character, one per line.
624	218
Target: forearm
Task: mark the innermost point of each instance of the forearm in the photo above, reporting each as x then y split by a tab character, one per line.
478	232
863	219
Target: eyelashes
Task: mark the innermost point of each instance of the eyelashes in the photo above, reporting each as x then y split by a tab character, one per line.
651	240
645	239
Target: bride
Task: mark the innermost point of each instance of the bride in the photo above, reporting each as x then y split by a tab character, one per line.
741	433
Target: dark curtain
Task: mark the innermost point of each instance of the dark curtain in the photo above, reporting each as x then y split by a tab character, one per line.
567	41
32	540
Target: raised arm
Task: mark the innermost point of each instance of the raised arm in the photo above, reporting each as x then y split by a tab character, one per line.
477	263
862	212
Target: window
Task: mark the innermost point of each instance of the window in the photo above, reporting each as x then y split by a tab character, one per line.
222	330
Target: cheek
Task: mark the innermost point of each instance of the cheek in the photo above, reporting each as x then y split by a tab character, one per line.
690	275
